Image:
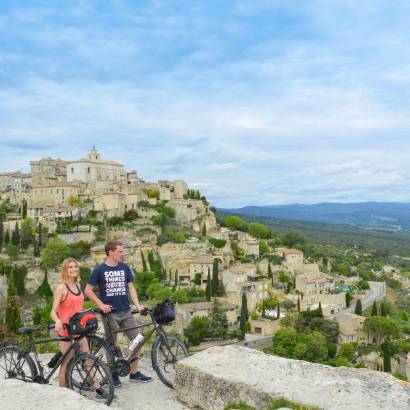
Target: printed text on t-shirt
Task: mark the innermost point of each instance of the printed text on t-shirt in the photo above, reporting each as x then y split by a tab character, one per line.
115	284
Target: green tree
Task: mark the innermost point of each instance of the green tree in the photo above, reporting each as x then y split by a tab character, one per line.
19	273
44	290
27	233
284	342
215	279
197	279
144	263
384	309
197	330
298	305
12	315
348	297
55	251
12	251
7	237
386	346
270	273
15	236
24	209
208	289
258	230
374	309
320	312
380	328
235	222
130	215
291	238
244	313
347	350
176	278
204	230
263	247
1	232
40	235
358	310
218	322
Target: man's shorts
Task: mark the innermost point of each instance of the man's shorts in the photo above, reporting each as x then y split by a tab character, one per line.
122	320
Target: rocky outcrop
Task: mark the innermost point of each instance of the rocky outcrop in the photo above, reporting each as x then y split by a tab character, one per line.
18	395
34	279
221	375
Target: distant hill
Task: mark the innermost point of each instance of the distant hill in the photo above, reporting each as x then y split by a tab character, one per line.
392	216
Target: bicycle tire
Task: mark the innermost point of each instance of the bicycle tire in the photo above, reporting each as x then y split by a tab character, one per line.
101	349
80	368
15	364
165	354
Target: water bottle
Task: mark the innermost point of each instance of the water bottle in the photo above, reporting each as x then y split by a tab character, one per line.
137	340
54	360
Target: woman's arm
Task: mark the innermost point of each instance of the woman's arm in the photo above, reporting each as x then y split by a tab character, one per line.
58	297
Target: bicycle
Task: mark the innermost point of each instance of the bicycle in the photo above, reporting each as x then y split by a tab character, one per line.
166	350
86	373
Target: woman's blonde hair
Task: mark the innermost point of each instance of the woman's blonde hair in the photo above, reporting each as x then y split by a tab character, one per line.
64	270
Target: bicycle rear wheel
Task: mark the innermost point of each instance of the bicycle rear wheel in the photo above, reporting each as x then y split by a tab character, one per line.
91	377
165	354
15	364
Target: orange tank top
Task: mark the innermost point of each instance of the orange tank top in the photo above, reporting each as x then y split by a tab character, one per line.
72	304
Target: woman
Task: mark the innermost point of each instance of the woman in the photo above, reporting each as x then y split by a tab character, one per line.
68	300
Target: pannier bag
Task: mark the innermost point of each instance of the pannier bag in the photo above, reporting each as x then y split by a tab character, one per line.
83	323
164	312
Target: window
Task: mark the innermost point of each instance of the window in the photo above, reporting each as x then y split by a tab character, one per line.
72	170
88	170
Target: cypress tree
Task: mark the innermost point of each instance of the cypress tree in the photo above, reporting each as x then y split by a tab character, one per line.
298	303
144	263
263	308
374	309
176	278
7	238
270	274
383	309
15	236
358	309
278	311
319	310
12	316
1	232
44	290
215	283
348	297
386	357
208	289
204	230
244	313
24	209
40	235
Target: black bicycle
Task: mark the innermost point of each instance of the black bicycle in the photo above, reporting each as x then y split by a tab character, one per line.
86	373
166	350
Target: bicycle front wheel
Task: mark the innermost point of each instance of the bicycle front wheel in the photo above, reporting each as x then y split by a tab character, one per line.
15	364
165	354
91	377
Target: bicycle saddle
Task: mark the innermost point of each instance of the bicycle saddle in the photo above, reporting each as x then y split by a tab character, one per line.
28	330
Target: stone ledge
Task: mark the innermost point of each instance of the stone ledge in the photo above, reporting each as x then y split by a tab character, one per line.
229	374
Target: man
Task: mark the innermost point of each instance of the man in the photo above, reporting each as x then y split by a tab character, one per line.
114	279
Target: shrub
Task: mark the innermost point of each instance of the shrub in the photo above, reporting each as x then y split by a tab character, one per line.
115	221
130	215
218	243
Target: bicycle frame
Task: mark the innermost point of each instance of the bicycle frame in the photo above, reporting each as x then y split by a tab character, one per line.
31	348
134	355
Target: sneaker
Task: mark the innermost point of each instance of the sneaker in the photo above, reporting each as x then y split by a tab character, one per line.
101	394
116	381
139	377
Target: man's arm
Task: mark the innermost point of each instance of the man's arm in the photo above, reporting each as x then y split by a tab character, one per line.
89	292
134	297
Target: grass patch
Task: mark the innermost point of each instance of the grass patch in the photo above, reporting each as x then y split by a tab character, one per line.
274	405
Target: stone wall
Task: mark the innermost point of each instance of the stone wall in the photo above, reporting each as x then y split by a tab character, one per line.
230	374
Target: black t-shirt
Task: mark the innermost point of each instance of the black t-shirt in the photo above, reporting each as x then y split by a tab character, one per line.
113	283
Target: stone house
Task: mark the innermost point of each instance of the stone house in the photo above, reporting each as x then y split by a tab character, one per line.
48	171
292	259
95	171
264	327
53	195
250	247
187	311
200	265
351	328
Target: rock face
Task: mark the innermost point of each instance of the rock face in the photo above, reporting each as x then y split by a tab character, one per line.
34	279
221	375
17	395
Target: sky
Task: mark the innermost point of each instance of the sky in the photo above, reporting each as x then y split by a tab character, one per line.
251	102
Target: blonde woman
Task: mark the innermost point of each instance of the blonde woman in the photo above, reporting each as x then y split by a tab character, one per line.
68	300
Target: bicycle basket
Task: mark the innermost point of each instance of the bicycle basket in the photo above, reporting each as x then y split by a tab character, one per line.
164	312
83	323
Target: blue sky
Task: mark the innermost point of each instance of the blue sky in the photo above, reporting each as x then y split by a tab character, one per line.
252	102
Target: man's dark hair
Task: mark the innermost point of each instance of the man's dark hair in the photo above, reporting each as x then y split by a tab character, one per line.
111	246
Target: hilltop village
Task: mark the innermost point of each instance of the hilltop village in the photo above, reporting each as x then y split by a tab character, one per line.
229	281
